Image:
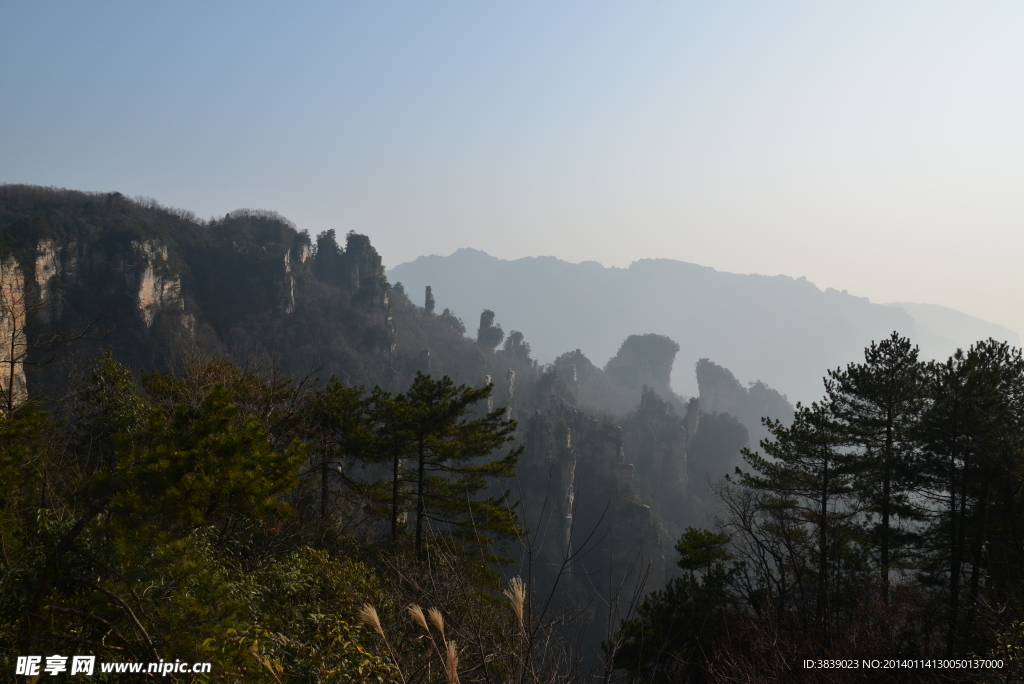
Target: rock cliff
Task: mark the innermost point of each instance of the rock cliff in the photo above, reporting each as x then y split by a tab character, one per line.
13	342
155	282
615	465
721	392
644	360
589	527
156	286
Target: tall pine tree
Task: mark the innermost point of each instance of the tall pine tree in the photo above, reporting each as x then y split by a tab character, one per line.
806	471
451	448
877	403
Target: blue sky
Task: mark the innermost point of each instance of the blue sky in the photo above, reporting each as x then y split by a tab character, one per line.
874	147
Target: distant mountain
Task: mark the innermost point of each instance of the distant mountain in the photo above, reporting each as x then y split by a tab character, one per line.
939	330
780	330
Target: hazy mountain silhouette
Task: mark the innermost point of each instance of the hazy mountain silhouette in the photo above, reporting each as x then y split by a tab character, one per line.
777	329
938	330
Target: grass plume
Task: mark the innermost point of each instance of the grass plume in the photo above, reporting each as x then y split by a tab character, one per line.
516	594
437	620
368	614
452	663
416	613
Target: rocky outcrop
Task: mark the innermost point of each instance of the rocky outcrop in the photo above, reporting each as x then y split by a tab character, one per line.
13	342
721	392
367	280
658	440
153	283
592	388
644	360
47	269
157	288
517	347
510	381
359	271
489	335
578	489
289	285
428	300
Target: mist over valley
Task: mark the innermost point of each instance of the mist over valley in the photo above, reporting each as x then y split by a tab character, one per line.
781	330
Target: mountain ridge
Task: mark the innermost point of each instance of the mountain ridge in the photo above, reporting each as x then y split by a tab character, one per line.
772	328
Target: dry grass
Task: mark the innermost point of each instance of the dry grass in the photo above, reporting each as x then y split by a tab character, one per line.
516	594
437	620
368	614
452	663
416	613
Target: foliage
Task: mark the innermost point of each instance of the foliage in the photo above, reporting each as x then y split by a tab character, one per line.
447	444
169	515
665	640
883	521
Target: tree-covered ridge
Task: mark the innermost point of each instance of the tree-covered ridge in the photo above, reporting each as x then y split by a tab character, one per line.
576	478
158	281
202	515
882	522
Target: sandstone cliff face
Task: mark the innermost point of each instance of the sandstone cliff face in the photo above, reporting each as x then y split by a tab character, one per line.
157	289
359	271
13	343
644	360
659	442
489	335
34	291
155	282
289	285
578	492
721	392
660	438
367	280
47	269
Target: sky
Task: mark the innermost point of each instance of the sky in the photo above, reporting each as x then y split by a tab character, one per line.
876	147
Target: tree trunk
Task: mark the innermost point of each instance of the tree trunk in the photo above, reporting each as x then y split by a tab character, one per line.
420	507
394	495
955	523
324	491
1014	527
886	494
979	545
823	554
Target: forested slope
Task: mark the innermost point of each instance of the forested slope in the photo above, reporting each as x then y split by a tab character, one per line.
222	442
265	408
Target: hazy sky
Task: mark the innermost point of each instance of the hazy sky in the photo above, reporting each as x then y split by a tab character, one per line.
874	147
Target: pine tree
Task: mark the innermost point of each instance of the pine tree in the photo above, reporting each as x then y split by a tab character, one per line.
971	441
451	447
877	403
808	474
392	443
666	640
340	429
